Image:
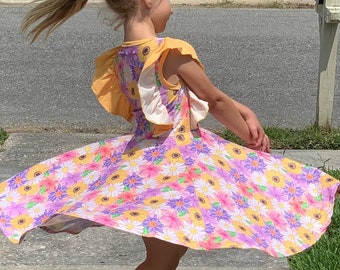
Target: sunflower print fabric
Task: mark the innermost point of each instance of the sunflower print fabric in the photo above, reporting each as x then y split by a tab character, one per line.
166	180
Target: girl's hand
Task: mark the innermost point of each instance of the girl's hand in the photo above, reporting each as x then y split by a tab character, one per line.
261	141
264	146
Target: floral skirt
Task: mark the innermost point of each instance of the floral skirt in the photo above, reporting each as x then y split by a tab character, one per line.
196	190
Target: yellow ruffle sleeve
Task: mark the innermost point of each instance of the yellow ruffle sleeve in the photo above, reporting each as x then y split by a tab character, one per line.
106	86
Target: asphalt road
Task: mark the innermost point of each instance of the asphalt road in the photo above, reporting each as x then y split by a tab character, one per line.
267	59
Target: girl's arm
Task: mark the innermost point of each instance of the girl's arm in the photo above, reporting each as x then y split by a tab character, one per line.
221	106
255	128
235	116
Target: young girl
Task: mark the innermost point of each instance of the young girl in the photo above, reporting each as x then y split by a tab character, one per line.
170	181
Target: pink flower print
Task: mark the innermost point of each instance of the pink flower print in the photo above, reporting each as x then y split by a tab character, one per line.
311	200
171	220
128	197
48	183
67	156
92	166
106	220
15	209
207	138
104	151
153	225
328	193
210	244
277	193
204	167
96	184
111	161
70	179
175	186
224	234
272	252
91	195
243	238
185	109
297	206
38	198
225	200
149	170
190	175
277	219
244	190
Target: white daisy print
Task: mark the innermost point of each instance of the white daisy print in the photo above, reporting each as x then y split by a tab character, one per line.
257	206
134	164
314	189
310	223
280	206
173	169
12	196
168	235
91	177
204	187
130	225
65	169
37	210
112	190
228	188
196	233
291	235
147	184
259	178
172	194
238	215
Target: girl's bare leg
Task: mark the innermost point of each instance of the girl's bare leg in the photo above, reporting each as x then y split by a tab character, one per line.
161	255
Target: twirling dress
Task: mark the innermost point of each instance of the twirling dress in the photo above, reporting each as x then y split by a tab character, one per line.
169	178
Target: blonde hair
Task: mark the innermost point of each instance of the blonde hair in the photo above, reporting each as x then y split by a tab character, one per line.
53	13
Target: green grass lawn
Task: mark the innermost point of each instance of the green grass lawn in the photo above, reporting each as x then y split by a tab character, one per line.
3	137
309	138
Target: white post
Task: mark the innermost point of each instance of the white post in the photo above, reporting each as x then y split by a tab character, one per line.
327	67
329	15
